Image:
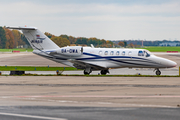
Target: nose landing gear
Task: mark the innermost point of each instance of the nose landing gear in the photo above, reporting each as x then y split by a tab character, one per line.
158	72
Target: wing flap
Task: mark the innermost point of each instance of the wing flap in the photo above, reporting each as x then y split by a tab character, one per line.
82	65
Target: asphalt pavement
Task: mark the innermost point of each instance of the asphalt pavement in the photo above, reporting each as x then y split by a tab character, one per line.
87	113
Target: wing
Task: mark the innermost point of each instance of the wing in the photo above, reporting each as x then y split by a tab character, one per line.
82	65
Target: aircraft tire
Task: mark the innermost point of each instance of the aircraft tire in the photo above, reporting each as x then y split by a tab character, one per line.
158	72
103	72
86	73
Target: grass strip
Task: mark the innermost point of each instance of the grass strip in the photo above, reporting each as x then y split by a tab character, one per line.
97	75
17	49
161	49
34	68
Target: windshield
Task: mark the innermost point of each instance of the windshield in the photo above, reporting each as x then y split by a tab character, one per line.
147	53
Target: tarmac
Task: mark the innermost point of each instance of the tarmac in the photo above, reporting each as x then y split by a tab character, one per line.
86	98
89	98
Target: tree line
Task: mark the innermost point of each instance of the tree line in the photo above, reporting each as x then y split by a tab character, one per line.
64	40
10	39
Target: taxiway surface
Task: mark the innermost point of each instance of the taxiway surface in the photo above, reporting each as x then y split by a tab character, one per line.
88	113
90	98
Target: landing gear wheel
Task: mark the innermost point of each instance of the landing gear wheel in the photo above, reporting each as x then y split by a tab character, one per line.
87	73
104	72
158	72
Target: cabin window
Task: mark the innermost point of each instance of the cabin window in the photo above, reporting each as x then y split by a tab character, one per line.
106	53
117	53
140	53
100	52
112	53
123	53
129	53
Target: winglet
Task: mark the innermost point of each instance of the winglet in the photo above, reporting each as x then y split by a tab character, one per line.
92	46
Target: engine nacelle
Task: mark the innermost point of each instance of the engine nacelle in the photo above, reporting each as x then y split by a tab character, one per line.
71	51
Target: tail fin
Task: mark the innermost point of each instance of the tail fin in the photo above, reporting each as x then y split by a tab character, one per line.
36	38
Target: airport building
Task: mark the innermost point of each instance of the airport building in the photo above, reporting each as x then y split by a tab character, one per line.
170	44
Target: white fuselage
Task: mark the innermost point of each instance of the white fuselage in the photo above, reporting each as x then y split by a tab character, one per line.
109	58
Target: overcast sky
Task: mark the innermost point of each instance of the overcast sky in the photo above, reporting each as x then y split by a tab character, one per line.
103	19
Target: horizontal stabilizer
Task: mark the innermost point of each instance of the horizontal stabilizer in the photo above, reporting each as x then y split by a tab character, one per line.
21	28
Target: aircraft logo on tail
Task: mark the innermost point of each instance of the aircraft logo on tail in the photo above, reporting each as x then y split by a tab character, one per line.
38	39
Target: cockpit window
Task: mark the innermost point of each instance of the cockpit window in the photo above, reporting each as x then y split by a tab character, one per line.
140	53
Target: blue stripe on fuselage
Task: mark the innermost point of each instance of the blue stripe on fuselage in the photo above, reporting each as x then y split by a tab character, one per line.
106	57
111	58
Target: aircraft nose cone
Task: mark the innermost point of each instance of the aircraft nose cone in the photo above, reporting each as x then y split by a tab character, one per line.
171	64
174	64
165	63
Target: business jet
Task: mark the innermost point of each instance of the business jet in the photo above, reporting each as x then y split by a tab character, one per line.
89	58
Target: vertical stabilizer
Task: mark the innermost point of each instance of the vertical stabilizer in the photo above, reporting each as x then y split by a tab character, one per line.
36	38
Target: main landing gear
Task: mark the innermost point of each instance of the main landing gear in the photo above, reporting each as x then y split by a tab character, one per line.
87	71
158	72
104	72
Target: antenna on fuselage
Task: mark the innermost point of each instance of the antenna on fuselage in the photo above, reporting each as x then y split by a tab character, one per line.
92	46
